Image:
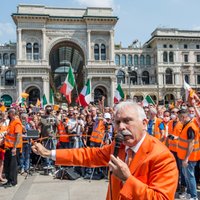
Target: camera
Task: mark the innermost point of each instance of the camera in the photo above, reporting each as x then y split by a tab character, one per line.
50	120
171	137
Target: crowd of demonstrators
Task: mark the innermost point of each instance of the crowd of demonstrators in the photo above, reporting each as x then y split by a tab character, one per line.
177	127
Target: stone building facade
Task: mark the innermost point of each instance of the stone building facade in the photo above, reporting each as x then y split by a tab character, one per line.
50	40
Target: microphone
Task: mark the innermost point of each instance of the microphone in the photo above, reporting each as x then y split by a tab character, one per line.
118	140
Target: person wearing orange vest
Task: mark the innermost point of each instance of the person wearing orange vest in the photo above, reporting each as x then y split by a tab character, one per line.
153	124
62	132
13	145
195	117
3	131
188	151
174	130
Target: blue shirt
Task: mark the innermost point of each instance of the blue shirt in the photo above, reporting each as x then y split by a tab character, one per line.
150	126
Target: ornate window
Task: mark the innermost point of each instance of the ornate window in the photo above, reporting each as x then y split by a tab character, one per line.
130	63
120	77
136	60
171	57
148	60
186	58
187	78
35	51
96	52
6	59
9	78
124	60
117	59
133	77
12	59
165	56
168	76
198	58
29	51
103	52
142	60
198	79
145	77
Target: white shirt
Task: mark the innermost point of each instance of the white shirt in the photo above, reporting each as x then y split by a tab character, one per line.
137	146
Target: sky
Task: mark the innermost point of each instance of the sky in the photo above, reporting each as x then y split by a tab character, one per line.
137	18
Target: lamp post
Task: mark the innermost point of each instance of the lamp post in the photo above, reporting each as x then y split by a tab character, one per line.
130	70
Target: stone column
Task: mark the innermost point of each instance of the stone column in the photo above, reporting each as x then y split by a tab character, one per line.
20	85
44	44
46	87
112	91
112	46
89	44
19	31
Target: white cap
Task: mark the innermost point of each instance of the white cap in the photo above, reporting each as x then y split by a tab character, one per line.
107	116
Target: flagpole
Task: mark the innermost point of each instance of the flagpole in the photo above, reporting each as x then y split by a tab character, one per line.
77	91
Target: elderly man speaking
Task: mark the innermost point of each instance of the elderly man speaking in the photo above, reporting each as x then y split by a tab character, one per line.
143	169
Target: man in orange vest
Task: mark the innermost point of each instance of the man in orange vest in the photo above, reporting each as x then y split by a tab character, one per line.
188	151
62	132
3	130
153	124
143	169
13	145
174	130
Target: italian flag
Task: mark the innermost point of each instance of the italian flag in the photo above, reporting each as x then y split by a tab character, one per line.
68	85
119	94
84	97
148	100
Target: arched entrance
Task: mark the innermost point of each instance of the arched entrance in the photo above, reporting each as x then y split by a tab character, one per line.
169	98
62	56
154	97
98	93
7	99
34	94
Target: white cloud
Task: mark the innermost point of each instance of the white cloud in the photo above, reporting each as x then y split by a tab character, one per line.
96	3
7	29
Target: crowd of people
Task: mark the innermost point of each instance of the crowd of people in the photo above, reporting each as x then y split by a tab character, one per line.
176	126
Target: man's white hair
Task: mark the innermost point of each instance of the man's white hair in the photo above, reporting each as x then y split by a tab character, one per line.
138	109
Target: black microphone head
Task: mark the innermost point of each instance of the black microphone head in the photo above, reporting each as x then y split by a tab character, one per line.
119	138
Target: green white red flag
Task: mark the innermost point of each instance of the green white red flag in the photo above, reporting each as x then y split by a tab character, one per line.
68	85
119	94
84	97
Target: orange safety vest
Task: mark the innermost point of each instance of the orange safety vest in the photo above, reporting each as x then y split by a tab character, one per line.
173	144
183	143
156	132
3	129
63	133
197	126
10	136
98	132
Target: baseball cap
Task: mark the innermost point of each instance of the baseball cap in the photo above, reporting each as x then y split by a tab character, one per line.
107	116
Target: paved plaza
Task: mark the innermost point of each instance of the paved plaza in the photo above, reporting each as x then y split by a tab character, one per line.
40	187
